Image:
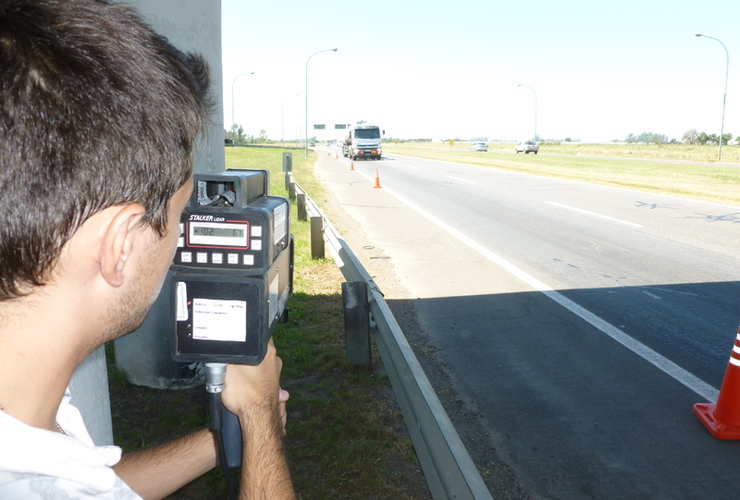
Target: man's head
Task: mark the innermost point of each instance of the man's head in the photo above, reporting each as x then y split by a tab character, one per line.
96	110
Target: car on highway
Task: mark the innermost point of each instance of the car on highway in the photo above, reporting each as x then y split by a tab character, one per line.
527	147
479	146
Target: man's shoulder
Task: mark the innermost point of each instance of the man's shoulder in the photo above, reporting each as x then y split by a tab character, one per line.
32	486
36	463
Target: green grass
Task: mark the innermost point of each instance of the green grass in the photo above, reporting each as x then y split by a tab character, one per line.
609	165
343	433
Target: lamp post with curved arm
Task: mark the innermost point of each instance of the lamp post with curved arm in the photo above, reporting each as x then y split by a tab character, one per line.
305	142
535	109
724	99
233	122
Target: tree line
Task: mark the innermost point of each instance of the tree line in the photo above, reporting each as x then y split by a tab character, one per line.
649	138
694	137
689	137
237	136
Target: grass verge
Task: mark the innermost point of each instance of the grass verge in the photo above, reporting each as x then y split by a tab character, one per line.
345	435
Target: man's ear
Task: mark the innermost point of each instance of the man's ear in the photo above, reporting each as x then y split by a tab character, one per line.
118	240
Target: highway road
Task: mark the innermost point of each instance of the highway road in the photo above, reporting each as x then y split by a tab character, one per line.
581	321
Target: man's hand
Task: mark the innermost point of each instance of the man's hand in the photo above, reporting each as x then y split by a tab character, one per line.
252	392
283	398
248	386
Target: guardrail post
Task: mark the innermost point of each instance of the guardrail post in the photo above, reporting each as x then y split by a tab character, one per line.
357	323
288	169
317	237
302	212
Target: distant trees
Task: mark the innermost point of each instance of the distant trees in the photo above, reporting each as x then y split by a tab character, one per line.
648	137
692	137
237	135
725	138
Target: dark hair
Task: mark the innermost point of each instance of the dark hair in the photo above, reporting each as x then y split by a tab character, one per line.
96	110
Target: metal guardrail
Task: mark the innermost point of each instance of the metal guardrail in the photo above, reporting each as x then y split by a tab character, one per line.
447	466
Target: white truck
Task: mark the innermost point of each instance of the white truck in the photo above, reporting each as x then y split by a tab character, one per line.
363	140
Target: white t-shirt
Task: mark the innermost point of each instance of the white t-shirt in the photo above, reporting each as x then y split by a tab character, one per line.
40	464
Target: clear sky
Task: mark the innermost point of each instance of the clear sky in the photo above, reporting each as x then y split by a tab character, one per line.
600	70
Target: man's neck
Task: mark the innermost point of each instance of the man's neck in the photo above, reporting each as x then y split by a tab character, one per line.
36	363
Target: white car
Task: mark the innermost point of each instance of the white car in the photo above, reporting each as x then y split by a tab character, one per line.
479	146
527	147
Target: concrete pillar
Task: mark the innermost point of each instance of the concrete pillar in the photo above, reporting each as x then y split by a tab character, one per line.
89	389
195	26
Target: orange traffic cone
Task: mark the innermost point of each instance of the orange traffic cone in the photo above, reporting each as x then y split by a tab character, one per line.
351	164
377	180
722	419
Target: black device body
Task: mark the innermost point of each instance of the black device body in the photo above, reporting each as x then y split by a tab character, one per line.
229	318
231	276
233	269
246	233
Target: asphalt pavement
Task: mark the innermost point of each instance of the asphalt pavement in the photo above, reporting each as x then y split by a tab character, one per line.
582	322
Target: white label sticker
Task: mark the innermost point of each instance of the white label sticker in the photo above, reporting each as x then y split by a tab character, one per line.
220	320
280	223
273	299
181	309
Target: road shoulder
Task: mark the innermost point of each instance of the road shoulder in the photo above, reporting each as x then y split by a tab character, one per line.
468	421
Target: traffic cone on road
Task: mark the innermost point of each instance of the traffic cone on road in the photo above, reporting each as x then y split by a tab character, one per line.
722	419
377	180
351	164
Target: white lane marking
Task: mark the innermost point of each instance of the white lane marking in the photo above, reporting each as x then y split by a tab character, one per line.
459	179
594	214
652	295
686	378
668	290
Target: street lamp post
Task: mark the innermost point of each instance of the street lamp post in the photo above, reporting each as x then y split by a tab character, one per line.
535	109
305	142
233	122
724	99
